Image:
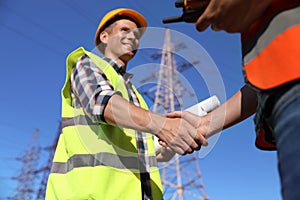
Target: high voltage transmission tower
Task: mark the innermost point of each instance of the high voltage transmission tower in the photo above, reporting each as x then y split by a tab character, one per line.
45	170
32	179
26	179
181	177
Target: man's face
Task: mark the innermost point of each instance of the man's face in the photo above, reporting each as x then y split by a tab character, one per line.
123	40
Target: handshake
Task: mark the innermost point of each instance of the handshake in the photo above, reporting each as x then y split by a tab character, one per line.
184	131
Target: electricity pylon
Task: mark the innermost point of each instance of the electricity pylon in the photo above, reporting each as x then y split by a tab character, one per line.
26	179
45	170
181	177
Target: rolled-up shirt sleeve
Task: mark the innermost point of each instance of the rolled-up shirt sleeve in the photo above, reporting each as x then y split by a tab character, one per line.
91	88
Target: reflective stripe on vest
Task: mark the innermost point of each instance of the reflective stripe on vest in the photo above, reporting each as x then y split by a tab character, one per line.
270	56
98	161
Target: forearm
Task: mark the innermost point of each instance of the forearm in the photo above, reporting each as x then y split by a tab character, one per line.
239	107
177	134
121	113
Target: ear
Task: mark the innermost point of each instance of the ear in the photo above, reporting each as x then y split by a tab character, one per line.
103	37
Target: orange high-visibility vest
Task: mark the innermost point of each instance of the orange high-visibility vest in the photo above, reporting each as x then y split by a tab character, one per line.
271	46
271	49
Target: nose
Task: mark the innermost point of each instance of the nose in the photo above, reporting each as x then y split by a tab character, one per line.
131	35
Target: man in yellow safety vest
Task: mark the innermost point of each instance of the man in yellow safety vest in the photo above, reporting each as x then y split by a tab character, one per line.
106	149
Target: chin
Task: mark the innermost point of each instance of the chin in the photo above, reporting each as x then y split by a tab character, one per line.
130	54
127	56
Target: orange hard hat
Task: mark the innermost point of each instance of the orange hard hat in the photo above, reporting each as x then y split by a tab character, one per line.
108	19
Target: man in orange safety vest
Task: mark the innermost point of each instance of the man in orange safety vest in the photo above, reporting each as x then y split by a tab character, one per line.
270	31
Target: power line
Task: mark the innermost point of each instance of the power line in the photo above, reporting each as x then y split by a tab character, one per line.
32	39
24	17
79	10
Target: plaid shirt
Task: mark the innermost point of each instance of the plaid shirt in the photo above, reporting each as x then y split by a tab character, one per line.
91	90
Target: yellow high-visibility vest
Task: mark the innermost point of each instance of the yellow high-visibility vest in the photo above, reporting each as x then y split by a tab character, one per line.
97	160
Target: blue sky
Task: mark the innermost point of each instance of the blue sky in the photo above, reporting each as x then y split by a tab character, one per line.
36	37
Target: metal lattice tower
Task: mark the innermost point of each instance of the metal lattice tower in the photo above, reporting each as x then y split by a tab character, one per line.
32	180
25	189
45	170
181	177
